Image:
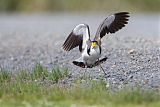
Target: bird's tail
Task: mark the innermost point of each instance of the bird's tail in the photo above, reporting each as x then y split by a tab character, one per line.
100	61
80	63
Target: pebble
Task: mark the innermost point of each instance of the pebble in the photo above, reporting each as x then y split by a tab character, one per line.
132	62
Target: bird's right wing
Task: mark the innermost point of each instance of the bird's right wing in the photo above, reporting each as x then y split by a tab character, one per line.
78	37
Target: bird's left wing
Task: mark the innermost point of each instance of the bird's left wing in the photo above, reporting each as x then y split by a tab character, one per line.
112	24
78	37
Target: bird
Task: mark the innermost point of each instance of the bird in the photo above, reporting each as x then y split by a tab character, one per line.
91	49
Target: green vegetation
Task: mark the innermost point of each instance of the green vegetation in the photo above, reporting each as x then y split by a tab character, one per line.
78	5
41	88
4	75
57	73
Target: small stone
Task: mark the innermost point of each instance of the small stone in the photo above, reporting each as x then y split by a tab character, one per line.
13	59
131	76
131	51
107	85
41	62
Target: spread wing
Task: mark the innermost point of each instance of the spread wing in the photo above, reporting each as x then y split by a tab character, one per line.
112	24
78	37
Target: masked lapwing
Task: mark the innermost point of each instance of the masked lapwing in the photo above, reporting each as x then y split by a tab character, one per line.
91	49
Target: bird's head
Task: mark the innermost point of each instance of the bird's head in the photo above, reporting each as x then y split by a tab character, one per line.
94	44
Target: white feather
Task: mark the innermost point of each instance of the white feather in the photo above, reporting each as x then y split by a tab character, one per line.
110	20
92	58
83	30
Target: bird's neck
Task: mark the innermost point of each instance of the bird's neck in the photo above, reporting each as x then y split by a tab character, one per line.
96	50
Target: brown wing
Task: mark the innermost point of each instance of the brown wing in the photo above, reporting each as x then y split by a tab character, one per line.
112	24
72	41
78	37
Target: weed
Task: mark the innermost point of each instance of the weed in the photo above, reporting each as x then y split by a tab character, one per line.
39	72
24	75
4	75
57	73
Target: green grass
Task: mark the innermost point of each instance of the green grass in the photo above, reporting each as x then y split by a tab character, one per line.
57	73
4	75
41	88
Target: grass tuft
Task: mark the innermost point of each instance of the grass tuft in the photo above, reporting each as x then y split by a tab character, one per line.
39	72
5	75
57	73
136	96
23	75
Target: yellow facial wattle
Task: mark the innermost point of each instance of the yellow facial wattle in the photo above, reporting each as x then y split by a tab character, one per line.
94	44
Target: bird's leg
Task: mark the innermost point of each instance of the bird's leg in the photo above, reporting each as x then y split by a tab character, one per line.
84	75
102	68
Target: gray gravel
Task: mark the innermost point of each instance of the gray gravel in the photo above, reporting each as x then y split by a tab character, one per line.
133	56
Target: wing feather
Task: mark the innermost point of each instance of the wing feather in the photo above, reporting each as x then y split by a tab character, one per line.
112	24
71	42
78	37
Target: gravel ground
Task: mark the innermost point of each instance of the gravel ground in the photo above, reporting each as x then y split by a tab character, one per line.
133	58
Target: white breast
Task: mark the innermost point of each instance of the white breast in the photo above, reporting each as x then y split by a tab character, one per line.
93	57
